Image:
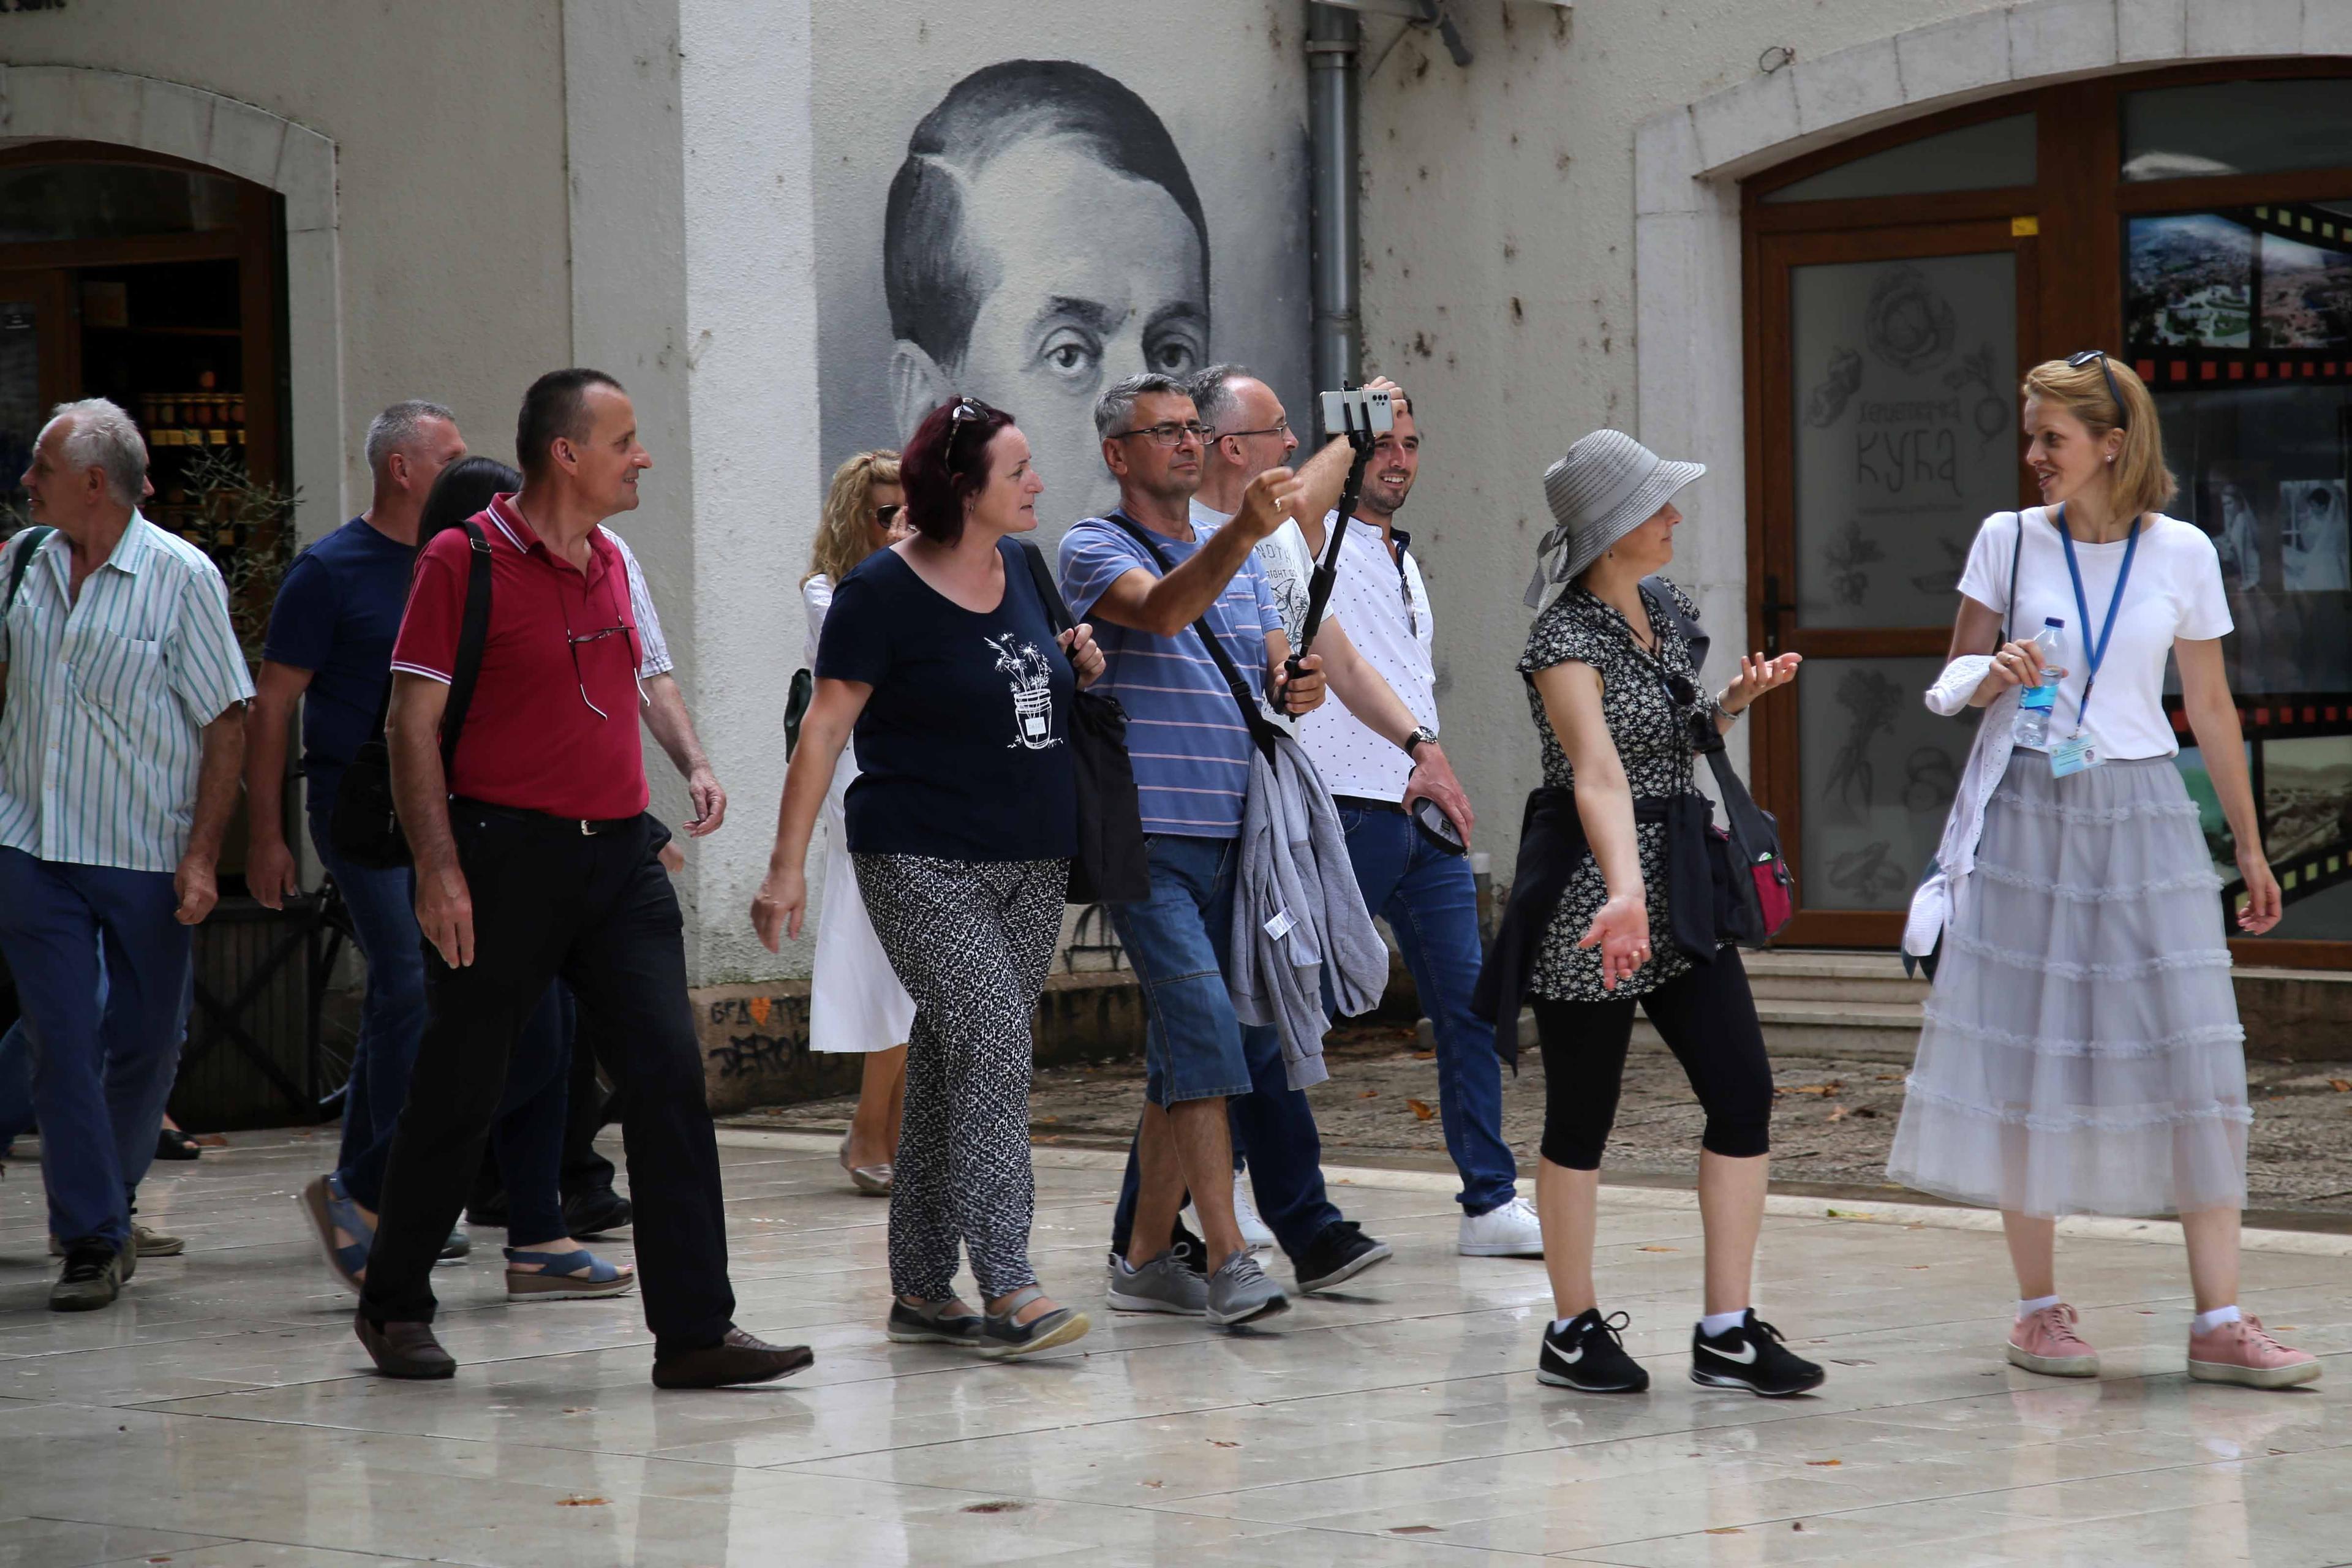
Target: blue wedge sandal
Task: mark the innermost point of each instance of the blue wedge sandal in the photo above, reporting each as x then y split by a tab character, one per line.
576	1275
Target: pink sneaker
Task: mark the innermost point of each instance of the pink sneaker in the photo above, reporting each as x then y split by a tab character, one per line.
2046	1343
2243	1353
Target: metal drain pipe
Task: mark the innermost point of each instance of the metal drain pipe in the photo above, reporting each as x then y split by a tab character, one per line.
1333	39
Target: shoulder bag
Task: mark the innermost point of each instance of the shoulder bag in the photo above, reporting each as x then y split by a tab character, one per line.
1262	730
366	822
1111	866
1755	893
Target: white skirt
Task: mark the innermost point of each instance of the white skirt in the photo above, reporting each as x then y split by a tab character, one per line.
855	1003
2081	1053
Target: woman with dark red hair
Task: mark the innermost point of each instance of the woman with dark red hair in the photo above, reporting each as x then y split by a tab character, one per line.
940	656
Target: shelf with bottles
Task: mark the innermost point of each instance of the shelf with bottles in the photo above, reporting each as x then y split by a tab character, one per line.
205	417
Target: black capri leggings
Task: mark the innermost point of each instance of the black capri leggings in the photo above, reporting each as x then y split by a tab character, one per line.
1709	1020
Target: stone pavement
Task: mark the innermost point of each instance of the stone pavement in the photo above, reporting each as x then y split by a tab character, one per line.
220	1416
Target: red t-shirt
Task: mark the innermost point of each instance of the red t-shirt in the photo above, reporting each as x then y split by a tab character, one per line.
531	741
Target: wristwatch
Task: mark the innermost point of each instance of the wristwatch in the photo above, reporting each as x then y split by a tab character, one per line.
1424	736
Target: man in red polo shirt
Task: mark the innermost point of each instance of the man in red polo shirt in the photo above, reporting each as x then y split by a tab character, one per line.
536	859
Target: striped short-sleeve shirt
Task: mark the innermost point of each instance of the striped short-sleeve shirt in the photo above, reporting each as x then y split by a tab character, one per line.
109	694
1184	731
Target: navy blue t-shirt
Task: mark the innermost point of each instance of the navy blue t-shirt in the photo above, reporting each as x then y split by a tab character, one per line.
336	616
964	750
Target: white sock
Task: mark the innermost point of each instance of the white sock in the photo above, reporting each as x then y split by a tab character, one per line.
1560	1325
2206	1322
1716	1324
2027	1309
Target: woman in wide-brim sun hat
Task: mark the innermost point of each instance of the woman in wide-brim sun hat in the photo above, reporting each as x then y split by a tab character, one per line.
1616	700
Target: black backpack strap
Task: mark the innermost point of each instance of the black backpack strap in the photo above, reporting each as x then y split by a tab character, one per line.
1262	734
1049	593
2016	554
472	633
30	540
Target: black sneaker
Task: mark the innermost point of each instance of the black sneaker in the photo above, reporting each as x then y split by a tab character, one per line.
92	1278
1589	1355
1339	1253
1751	1356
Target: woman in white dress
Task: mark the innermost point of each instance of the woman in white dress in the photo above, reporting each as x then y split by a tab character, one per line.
2081	1053
855	1003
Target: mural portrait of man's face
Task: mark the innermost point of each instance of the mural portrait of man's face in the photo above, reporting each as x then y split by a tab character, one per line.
1043	241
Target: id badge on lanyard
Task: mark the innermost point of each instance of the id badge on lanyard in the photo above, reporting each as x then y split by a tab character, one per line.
2075	754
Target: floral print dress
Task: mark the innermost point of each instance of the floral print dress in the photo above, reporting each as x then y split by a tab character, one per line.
1652	735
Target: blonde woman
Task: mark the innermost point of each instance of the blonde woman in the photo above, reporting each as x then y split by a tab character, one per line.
855	1003
2082	1052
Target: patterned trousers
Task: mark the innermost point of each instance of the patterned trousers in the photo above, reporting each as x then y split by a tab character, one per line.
971	942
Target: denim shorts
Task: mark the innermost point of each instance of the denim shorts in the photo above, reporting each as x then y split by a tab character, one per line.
1177	942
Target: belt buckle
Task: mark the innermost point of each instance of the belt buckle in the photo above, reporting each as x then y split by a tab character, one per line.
585	830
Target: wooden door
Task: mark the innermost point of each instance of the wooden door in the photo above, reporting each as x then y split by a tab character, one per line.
1893	356
40	367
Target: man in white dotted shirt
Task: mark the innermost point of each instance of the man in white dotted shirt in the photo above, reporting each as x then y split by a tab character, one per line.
1425	892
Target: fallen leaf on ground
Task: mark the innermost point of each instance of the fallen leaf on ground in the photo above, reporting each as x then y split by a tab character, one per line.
1661	1249
1727	1530
1369	1094
1424	1056
999	1506
1155	1485
579	1502
1223	1443
2341	1086
1825	1464
1420	1109
1837	1113
1823	1088
1915	1268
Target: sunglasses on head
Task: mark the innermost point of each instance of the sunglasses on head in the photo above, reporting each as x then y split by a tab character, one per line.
2077	360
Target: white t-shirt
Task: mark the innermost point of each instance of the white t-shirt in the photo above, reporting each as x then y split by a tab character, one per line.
1288	565
2175	590
1386	606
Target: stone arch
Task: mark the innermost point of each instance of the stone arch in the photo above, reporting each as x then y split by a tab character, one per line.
1688	161
78	103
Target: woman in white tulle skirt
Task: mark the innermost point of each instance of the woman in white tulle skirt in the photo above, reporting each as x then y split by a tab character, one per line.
2082	1051
855	1002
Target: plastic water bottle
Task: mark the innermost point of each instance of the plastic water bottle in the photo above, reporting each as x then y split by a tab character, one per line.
2035	704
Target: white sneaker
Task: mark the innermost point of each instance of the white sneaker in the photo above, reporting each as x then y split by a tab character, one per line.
1255	1236
1510	1231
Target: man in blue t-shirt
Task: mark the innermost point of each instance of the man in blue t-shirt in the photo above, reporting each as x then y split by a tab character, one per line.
1191	748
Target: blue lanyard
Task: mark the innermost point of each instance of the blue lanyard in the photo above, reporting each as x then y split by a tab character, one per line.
2097	651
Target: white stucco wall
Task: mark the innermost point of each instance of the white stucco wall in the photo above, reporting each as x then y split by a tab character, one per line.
448	130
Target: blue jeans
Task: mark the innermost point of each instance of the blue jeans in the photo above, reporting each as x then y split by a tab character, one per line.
1178	940
528	1132
1431	903
102	1073
392	1010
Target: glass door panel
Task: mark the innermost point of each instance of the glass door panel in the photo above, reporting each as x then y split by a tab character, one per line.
1904	377
35	375
1879	773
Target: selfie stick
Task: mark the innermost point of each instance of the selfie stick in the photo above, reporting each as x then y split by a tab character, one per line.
1327	570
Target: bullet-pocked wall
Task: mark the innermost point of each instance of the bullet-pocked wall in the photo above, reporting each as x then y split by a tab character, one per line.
1500	288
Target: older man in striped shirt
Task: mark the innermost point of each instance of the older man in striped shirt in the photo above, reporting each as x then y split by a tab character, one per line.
120	745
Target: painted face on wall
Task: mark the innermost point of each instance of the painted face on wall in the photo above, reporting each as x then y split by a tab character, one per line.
1087	276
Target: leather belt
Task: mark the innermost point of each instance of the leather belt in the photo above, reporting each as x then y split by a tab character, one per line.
1364	803
586	827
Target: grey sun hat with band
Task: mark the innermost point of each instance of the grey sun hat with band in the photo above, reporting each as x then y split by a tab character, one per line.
1607	486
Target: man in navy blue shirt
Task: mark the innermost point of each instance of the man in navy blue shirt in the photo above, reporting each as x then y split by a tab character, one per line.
329	649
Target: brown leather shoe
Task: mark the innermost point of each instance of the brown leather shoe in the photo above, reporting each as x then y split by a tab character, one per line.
404	1349
738	1357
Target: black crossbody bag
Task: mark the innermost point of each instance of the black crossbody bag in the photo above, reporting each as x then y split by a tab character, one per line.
1112	866
1263	733
365	825
1755	893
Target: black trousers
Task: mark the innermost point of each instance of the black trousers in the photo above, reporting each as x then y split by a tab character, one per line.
1707	1018
591	1109
600	913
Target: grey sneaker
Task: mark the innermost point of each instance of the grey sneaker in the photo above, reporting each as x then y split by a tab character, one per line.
1239	1292
92	1276
1164	1285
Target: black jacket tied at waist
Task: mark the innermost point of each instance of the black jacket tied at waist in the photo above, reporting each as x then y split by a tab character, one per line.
1552	847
